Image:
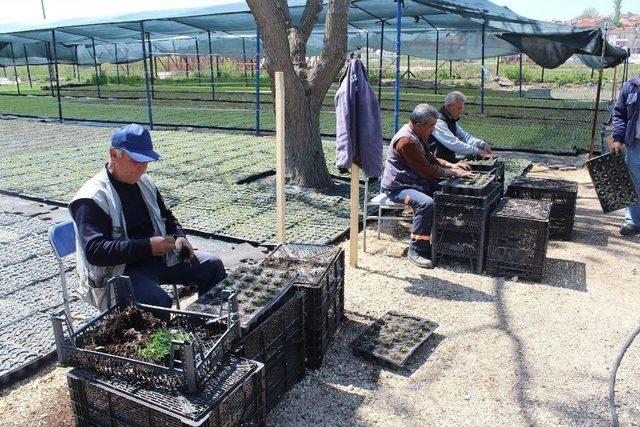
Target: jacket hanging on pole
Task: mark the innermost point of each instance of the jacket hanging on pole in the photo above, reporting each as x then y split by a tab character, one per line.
358	122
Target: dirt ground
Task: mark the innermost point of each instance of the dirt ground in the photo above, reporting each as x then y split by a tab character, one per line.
507	352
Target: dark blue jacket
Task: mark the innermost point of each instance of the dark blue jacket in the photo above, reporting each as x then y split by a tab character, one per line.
625	113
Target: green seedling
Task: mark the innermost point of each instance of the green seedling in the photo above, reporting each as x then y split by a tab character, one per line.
160	344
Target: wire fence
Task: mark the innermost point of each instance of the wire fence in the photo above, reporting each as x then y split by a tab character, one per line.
525	107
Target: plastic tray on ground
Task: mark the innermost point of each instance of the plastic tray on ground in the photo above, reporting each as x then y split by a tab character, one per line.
232	395
612	182
392	339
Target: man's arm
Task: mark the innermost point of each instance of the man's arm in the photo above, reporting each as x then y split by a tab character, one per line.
411	155
469	139
94	230
619	120
451	141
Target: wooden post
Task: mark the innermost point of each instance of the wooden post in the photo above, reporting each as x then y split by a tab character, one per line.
355	206
280	165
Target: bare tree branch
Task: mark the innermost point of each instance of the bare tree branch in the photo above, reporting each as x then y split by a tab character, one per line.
334	49
309	18
271	18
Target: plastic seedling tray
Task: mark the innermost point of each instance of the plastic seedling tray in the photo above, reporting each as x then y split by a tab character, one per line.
392	339
257	289
479	185
482	164
612	182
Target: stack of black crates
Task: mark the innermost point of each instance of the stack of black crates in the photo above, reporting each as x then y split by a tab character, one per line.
561	193
269	359
518	238
461	222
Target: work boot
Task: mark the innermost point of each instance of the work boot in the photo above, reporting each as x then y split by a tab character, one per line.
419	259
629	230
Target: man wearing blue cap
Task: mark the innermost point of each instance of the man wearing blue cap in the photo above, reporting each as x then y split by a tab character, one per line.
123	227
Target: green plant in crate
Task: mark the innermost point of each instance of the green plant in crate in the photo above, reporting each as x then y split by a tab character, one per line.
160	345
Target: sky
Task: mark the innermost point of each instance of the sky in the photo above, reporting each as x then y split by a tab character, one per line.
31	11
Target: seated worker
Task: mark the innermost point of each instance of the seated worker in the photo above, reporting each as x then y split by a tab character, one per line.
123	227
449	138
411	175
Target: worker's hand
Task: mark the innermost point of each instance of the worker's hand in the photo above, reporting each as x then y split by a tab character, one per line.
184	248
487	148
459	173
162	245
486	154
617	146
461	166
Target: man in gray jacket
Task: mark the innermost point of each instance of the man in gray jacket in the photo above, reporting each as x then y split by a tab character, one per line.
449	139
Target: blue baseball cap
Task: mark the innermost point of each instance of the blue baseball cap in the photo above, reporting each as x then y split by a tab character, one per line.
136	142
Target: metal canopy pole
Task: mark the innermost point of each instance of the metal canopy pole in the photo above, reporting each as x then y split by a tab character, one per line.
366	52
520	77
213	82
95	64
198	62
542	77
77	64
15	70
599	88
244	63
450	68
55	64
151	68
4	70
146	74
435	86
396	82
26	60
48	49
115	48
218	67
497	66
380	65
482	73
258	82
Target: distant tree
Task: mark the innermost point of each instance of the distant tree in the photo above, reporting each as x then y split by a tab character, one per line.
617	10
590	12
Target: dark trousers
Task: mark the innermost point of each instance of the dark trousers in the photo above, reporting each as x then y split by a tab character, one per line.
204	270
422	204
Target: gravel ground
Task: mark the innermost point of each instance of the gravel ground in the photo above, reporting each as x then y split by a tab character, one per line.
507	351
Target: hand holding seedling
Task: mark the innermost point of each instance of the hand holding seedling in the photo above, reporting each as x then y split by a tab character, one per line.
460	173
486	154
462	166
184	248
162	245
617	146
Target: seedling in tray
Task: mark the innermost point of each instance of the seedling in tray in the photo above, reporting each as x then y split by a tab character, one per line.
392	339
256	289
478	185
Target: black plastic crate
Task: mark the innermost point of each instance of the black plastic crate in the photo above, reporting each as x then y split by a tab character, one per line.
563	194
323	286
469	187
318	336
612	182
279	343
492	166
463	213
191	360
518	238
233	395
391	340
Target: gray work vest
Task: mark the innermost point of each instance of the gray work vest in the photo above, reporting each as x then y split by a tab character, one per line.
93	278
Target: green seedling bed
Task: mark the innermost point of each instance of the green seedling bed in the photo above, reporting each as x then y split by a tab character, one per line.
476	186
392	339
257	289
612	182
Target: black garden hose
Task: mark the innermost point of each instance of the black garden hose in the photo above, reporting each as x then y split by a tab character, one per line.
612	379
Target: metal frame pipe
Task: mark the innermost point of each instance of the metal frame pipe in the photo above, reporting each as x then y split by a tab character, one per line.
15	69
198	62
95	65
218	74
366	51
55	64
146	75
152	67
115	49
258	82
520	77
435	85
482	70
26	60
48	50
396	82
244	63
211	77
380	63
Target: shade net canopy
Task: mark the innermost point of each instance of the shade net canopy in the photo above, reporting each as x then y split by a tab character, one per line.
454	26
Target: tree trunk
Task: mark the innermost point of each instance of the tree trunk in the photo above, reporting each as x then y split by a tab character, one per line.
305	86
